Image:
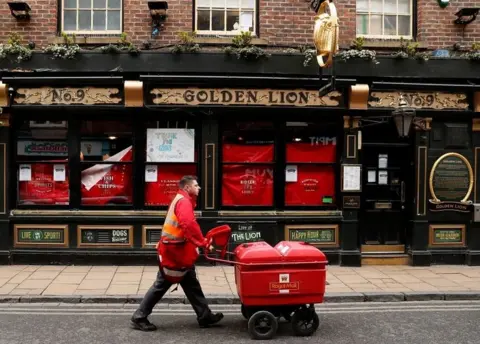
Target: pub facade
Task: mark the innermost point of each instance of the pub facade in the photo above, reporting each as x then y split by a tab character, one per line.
380	167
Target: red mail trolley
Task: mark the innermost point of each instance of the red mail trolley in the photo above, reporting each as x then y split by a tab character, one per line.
286	280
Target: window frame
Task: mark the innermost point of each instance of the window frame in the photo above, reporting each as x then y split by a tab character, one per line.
255	17
90	32
369	12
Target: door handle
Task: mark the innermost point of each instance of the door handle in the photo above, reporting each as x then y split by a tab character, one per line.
402	192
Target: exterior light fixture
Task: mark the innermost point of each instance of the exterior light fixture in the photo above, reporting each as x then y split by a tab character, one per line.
403	117
443	3
466	12
20	10
158	12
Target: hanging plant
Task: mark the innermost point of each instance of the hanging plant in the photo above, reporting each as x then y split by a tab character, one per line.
14	47
186	43
66	51
243	48
123	45
357	51
474	53
410	50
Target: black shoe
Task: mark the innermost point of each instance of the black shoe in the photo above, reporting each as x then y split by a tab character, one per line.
210	319
143	325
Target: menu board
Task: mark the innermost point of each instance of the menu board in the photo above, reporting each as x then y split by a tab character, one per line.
96	236
321	235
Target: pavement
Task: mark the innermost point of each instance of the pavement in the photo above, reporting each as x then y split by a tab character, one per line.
436	322
128	284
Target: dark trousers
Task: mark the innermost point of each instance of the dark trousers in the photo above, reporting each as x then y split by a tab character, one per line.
191	287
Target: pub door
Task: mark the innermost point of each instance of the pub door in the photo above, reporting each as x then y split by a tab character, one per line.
387	188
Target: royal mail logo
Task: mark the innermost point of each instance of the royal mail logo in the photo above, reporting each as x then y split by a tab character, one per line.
274	286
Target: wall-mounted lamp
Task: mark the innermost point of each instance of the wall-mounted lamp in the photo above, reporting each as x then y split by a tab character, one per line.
403	117
443	3
158	12
20	10
466	15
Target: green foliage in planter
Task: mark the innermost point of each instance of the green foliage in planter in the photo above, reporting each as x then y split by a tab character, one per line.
243	48
67	51
409	50
14	47
357	51
187	43
123	45
474	53
309	54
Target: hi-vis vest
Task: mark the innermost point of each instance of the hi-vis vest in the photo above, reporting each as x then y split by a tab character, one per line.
176	255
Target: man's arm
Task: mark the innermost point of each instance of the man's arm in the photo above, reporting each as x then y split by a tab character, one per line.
187	221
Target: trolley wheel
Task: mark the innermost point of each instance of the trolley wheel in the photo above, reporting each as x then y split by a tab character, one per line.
262	325
305	322
244	312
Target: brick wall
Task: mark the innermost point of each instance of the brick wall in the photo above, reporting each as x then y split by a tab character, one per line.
282	22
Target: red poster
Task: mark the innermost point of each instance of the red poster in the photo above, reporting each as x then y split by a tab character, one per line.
247	185
42	189
323	150
313	183
247	153
108	183
161	192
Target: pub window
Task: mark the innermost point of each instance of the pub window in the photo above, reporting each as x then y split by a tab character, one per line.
225	16
248	157
311	150
92	16
106	155
42	163
171	153
384	18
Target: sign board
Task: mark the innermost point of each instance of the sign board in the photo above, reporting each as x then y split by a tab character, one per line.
247	232
232	97
151	235
351	202
36	235
67	96
420	100
351	178
104	236
447	235
451	183
319	235
170	145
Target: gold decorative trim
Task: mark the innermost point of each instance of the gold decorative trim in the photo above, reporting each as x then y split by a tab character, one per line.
419	155
206	162
420	100
4	146
121	213
144	235
475	124
346	122
280	213
476	101
422	123
133	93
287	229
434	167
17	243
431	231
103	245
4	98
67	96
476	171
358	97
349	149
5	120
356	122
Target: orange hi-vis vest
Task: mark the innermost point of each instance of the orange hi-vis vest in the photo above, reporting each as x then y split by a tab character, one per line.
176	255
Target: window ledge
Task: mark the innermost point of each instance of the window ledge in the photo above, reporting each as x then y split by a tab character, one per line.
390	44
87	40
226	40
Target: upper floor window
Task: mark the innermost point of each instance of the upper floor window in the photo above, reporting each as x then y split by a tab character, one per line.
92	16
384	18
225	16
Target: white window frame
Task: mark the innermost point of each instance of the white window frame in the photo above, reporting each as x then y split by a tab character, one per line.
383	13
93	32
225	9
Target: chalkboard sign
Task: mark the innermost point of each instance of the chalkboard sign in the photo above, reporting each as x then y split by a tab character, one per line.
447	235
41	235
105	236
151	236
321	235
245	232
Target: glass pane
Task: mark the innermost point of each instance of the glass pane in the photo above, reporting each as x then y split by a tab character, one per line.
114	4
376	6
99	4
70	3
233	20
218	3
203	20
99	20
403	6
246	21
43	183
70	20
233	4
391	6
248	4
85	3
362	24
113	20
85	20
404	26
203	3
218	20
375	25
362	6
390	25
